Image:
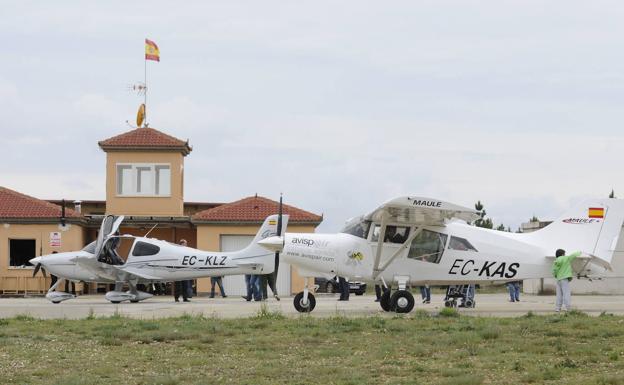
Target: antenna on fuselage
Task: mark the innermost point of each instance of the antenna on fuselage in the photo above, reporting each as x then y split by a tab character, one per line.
150	230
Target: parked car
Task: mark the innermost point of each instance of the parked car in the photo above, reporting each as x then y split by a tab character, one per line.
331	286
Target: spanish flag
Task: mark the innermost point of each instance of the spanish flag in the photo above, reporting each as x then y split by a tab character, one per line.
151	51
596	212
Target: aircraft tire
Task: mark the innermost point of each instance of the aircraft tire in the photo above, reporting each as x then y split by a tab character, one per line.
448	303
307	308
115	302
56	302
469	303
134	300
384	301
402	301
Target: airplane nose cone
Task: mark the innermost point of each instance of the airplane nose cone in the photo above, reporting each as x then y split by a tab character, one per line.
272	243
35	261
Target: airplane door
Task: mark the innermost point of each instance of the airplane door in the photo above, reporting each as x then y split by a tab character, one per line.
109	226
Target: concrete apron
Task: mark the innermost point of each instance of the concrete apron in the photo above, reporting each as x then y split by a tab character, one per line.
326	306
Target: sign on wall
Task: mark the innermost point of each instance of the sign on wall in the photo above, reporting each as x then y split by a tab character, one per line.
55	239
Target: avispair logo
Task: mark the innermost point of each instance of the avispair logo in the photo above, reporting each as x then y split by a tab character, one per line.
355	255
580	221
426	203
303	241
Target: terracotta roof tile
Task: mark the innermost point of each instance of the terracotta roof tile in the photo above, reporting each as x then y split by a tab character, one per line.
17	205
253	209
145	138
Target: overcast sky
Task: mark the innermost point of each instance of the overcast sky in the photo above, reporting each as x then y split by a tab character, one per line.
339	105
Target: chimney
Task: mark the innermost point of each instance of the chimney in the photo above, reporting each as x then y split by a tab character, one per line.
78	206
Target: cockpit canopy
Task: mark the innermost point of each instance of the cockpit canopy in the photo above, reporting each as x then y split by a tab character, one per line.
357	227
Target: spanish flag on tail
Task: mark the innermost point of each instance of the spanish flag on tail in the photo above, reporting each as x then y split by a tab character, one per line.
151	51
596	212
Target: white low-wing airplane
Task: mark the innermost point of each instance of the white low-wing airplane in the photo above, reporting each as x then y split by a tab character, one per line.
152	260
417	241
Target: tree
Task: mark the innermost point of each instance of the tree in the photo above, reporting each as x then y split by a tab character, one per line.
501	227
482	221
612	195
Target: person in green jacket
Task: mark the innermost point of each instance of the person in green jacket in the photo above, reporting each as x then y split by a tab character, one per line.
562	271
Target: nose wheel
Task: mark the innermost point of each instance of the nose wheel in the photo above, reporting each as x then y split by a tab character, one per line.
303	304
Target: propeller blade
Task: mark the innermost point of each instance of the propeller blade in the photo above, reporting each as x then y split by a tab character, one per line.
279	234
37	267
279	219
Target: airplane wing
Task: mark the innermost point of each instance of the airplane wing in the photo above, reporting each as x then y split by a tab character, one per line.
138	272
420	211
413	211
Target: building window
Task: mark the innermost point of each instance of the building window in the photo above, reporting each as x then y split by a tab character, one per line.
21	251
143	179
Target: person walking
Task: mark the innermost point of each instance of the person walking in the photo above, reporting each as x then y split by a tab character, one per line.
514	291
218	281
562	271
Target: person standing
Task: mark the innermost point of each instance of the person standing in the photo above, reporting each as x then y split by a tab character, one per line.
249	286
218	281
562	271
182	287
425	293
343	284
179	289
514	291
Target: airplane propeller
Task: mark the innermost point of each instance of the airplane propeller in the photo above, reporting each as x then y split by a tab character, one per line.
39	267
279	234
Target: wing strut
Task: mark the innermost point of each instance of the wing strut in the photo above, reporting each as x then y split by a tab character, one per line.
380	239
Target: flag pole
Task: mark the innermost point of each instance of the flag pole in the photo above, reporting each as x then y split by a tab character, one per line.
145	93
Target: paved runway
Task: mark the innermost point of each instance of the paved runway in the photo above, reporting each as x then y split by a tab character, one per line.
326	306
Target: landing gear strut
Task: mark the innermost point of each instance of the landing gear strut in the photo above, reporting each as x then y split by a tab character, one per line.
304	301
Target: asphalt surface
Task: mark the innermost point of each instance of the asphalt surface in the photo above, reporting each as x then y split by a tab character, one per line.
326	306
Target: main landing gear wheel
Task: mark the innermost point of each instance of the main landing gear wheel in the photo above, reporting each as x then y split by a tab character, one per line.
402	301
469	303
384	301
304	307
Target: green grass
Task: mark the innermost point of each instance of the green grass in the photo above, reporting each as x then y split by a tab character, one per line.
269	348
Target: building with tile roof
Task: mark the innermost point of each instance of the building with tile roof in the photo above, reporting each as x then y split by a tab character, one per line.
145	183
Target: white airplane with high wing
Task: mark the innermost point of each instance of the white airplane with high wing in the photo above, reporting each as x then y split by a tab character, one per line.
151	260
412	241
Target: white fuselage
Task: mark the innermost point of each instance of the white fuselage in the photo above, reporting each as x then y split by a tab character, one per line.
494	256
170	263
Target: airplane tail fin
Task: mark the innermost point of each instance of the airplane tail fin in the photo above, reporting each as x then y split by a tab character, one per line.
592	227
254	253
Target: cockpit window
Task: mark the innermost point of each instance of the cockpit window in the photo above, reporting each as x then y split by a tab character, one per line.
394	234
461	244
142	249
358	229
90	248
428	246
